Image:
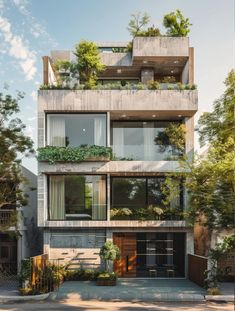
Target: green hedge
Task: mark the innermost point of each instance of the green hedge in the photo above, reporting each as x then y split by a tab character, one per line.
73	154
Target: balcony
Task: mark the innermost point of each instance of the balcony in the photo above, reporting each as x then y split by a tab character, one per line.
167	103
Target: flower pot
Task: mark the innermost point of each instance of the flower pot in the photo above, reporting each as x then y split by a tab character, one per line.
106	282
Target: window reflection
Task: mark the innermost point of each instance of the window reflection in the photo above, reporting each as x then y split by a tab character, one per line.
136	140
76	129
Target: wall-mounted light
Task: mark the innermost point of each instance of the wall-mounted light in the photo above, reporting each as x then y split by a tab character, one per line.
179	115
172	71
153	115
119	70
145	62
123	115
176	62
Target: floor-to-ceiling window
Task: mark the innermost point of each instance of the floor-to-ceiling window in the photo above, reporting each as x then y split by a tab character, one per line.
137	140
77	197
74	130
143	198
160	254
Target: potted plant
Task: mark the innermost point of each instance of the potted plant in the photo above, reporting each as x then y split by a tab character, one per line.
106	279
109	253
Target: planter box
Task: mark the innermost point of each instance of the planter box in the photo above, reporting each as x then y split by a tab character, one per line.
106	282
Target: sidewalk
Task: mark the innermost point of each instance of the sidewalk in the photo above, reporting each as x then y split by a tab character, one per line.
133	290
227	293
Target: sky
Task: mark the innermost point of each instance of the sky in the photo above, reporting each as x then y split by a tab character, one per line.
29	29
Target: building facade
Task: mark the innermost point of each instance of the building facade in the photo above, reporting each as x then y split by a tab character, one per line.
81	205
23	240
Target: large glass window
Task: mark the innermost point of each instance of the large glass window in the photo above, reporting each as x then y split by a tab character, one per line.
77	197
76	129
144	198
136	140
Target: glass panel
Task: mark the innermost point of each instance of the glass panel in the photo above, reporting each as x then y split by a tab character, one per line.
136	140
76	129
155	195
142	199
160	254
77	197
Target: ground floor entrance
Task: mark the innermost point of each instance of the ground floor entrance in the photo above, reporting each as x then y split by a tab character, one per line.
151	254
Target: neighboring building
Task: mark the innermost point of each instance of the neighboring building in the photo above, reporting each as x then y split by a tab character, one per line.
80	205
22	240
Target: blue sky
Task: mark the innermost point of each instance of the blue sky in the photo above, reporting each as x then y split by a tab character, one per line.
31	28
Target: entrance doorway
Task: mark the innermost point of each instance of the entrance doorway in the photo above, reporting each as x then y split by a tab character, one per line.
150	254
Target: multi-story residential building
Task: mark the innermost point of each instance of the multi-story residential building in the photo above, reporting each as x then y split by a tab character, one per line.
81	205
23	239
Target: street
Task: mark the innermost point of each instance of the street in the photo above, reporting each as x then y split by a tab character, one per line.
116	306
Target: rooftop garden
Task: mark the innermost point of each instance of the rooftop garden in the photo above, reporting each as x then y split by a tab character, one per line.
83	73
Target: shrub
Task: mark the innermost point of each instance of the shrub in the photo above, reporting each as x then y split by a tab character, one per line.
54	154
111	276
213	291
81	275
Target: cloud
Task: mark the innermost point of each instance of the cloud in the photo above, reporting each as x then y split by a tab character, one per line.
21	5
18	49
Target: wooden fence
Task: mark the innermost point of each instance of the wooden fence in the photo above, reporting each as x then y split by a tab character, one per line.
197	265
38	266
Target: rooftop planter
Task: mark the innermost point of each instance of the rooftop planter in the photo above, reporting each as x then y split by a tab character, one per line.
54	154
128	86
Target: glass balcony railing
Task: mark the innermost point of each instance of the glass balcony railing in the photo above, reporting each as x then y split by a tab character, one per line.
145	152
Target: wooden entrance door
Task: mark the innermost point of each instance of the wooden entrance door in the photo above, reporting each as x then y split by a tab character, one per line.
126	266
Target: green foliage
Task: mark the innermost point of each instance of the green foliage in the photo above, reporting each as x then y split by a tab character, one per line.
173	135
119	85
54	154
109	276
81	275
176	24
168	79
109	252
219	125
120	50
220	250
86	67
88	63
13	143
154	85
211	181
150	32
25	271
137	22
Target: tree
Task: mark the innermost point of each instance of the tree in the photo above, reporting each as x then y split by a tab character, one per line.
86	67
109	252
137	22
211	180
176	24
13	142
88	62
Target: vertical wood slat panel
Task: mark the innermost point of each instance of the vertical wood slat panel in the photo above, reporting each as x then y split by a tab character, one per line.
127	244
197	265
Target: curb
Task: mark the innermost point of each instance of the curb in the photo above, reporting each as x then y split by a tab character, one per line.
227	298
5	299
163	297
